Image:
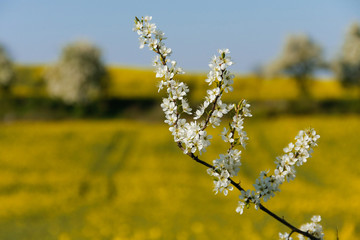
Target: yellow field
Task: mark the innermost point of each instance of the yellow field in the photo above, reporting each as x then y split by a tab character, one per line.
247	86
133	83
124	179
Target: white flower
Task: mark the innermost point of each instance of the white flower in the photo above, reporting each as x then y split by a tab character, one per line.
240	208
237	123
144	28
289	148
171	119
159	35
284	236
185	106
215	121
250	197
227	136
137	27
229	162
224	60
142	42
212	94
295	154
161	71
265	186
245	109
227	81
316	219
169	107
199	113
174	69
243	138
148	29
192	137
156	61
221	182
313	228
165	51
147	18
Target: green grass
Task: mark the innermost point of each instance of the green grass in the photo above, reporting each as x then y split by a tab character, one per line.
127	180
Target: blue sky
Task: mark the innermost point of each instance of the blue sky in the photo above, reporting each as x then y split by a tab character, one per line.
254	31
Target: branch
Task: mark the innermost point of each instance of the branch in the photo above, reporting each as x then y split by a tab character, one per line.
262	207
211	112
214	103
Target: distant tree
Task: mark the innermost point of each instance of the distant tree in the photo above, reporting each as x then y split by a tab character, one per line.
7	73
347	65
79	76
299	59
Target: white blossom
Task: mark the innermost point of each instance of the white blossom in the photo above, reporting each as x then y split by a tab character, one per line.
221	182
185	106
193	139
227	135
314	228
246	109
284	236
170	119
248	197
199	113
240	207
212	94
168	106
294	155
237	124
165	51
159	35
161	71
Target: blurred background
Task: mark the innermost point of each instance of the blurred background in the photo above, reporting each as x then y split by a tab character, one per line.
84	150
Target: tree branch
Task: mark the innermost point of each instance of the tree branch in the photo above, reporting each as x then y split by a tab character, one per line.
211	112
262	207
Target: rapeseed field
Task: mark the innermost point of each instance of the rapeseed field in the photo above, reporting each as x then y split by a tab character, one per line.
123	79
124	179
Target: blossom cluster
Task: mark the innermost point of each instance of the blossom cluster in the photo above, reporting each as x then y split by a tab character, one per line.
285	236
193	139
294	155
314	228
192	135
223	80
228	165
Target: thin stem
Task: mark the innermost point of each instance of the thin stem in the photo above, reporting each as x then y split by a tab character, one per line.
215	103
211	112
286	223
190	154
290	234
232	145
162	58
262	207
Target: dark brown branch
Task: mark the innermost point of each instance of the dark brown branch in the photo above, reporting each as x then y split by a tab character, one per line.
195	157
214	104
236	185
262	207
286	223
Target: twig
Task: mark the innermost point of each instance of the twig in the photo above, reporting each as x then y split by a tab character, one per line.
262	207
